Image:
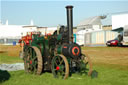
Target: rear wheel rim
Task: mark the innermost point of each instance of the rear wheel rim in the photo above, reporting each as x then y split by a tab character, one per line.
33	61
88	64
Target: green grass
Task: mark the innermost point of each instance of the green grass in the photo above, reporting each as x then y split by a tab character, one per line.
4	58
106	76
110	62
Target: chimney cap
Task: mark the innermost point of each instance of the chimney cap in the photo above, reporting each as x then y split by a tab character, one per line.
69	6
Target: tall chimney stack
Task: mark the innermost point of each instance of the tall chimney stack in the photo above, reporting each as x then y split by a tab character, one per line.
70	23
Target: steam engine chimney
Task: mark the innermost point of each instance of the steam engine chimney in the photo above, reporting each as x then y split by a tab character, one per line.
70	23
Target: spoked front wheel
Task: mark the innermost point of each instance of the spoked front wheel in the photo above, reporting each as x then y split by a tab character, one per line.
60	67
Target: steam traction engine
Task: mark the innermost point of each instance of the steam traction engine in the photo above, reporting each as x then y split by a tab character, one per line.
56	53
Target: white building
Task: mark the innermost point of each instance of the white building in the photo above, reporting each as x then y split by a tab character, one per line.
120	25
11	33
91	24
119	20
50	30
46	30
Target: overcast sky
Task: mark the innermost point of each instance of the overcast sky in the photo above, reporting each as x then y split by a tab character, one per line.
52	13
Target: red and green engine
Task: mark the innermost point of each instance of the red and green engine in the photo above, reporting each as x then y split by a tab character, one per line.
56	53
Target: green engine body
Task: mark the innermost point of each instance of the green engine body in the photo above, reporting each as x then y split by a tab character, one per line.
56	53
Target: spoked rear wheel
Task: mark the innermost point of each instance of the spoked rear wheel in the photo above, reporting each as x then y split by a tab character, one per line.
33	60
60	67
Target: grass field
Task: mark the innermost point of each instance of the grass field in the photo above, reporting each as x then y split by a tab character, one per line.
110	62
9	54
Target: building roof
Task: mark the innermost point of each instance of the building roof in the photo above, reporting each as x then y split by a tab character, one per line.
118	29
28	26
96	20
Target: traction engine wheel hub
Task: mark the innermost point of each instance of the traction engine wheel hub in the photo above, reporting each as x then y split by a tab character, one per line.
57	68
30	62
